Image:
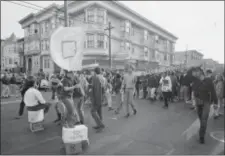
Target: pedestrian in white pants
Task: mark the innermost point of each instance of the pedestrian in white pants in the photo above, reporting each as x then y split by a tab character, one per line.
219	88
109	95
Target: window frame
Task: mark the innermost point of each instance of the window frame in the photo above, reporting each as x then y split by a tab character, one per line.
100	14
100	40
46	62
90	41
90	15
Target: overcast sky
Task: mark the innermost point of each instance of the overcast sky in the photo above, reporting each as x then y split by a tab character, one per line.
198	24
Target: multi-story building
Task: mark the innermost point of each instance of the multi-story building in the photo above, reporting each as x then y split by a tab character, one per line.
133	37
188	58
2	54
9	54
210	64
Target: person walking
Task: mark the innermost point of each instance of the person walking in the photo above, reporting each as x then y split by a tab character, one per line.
78	97
129	85
66	96
96	99
219	87
6	83
166	87
205	95
23	89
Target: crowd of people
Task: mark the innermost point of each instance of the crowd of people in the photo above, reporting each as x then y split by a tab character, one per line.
72	90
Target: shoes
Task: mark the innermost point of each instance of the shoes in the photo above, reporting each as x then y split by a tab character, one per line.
126	116
99	128
116	112
18	117
166	107
202	140
135	111
110	109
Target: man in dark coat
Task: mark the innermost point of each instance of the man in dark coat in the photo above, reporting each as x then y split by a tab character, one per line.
205	95
96	98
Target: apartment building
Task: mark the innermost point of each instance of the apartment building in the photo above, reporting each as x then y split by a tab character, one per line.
9	53
188	58
133	38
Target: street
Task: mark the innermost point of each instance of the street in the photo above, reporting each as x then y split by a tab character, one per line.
153	131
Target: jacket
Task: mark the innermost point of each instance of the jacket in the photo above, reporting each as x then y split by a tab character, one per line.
204	90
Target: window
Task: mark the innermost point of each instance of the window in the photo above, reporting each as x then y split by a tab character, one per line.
145	51
145	35
100	16
53	23
47	44
127	24
122	45
122	26
100	41
42	28
42	45
165	57
46	26
10	61
90	16
46	62
90	40
133	50
153	54
127	45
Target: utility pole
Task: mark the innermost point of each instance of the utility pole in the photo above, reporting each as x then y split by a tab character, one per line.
110	53
186	54
66	19
66	13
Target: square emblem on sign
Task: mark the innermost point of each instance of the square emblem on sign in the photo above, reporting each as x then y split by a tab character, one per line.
69	49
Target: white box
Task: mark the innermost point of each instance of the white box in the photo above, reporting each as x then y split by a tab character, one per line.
35	116
76	134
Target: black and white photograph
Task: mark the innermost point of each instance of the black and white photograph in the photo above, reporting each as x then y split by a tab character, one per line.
112	77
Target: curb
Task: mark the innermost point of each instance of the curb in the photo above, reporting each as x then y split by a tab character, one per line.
9	102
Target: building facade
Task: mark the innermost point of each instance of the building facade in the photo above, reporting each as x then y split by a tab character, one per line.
188	58
133	37
9	53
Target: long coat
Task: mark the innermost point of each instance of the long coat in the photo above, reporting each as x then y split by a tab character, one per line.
96	93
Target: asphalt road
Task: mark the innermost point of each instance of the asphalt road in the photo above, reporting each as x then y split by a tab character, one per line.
152	131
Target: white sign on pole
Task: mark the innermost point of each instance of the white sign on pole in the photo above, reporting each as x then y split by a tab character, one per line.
67	46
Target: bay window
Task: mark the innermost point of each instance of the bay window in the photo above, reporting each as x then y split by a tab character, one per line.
100	40
90	40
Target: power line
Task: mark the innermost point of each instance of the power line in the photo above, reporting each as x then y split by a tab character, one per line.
33	4
81	20
22	5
